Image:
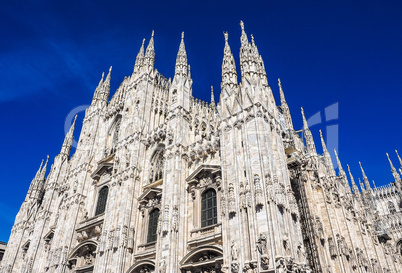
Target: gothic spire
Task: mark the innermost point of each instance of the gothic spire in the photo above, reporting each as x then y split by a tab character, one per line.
399	158
308	136
98	89
181	66
140	58
34	180
243	37
68	140
366	181
108	77
341	171
327	156
245	50
39	170
285	107
354	186
394	172
149	58
361	185
102	95
212	96
229	74
43	171
101	81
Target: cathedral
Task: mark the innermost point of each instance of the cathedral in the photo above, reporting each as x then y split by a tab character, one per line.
163	182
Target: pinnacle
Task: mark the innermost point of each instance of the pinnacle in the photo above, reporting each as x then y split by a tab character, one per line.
226	35
212	95
181	66
305	124
281	93
399	158
108	76
322	140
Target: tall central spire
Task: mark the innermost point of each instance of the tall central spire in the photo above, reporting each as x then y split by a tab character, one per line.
181	67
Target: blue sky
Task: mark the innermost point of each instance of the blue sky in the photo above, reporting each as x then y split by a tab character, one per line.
53	53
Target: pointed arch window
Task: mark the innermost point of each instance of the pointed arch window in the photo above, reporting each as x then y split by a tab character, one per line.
158	162
102	199
209	214
153	226
391	207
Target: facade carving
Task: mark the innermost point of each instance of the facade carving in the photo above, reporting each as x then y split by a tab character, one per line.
163	182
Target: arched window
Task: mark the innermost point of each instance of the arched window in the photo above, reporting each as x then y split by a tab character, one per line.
153	226
208	208
158	162
391	207
102	198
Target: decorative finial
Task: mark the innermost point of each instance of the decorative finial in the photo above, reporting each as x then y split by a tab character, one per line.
143	41
279	82
242	25
252	39
153	32
182	35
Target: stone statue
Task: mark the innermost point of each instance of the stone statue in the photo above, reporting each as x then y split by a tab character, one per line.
162	266
233	251
262	244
